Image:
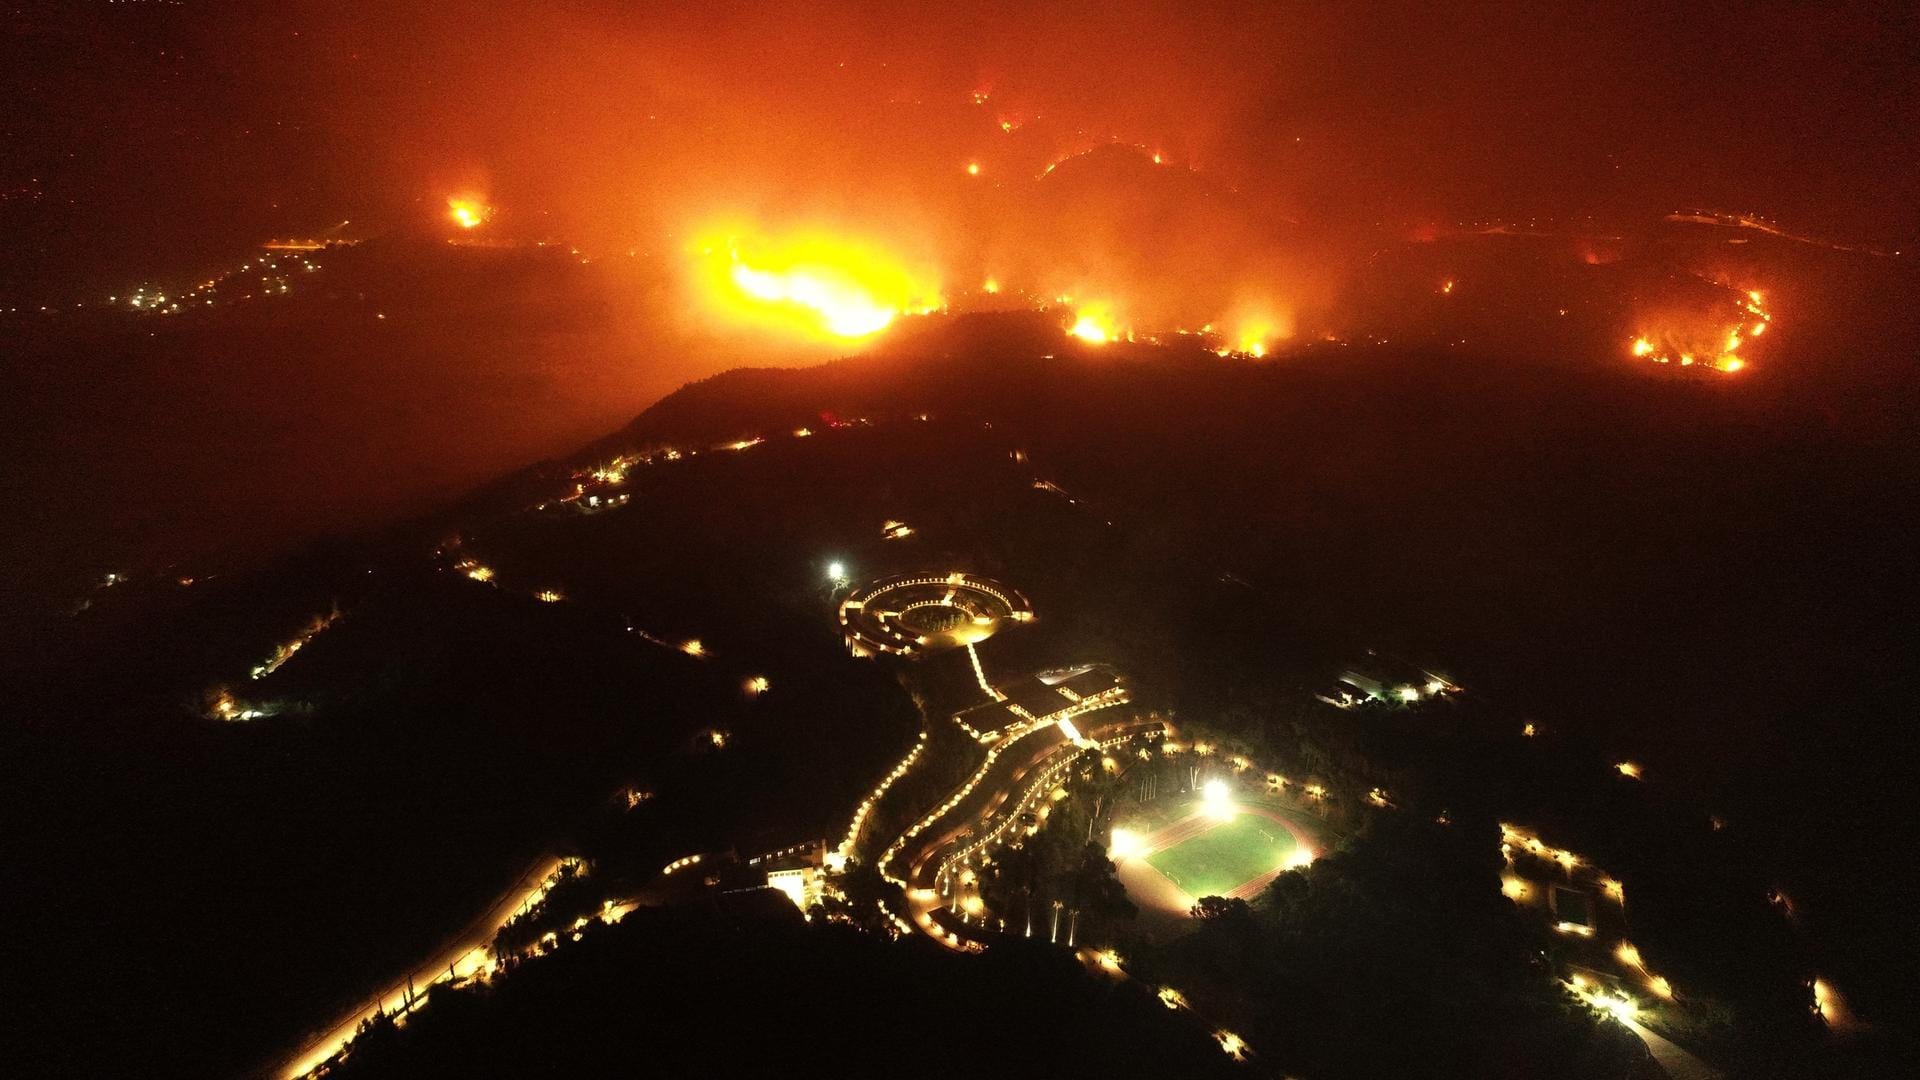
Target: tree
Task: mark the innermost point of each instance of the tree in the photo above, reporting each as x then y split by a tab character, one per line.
1222	909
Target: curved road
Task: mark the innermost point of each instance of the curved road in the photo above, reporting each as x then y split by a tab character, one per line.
1023	769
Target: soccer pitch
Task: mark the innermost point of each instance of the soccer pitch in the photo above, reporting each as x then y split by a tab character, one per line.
1226	856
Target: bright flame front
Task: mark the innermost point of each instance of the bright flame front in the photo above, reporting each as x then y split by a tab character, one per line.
1094	324
816	285
468	213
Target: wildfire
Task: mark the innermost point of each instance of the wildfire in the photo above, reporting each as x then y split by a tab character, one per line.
468	213
1094	325
818	285
1256	332
1716	346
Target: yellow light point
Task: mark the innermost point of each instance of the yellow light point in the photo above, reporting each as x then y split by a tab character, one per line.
758	685
1732	364
990	286
973	168
1830	1006
1006	126
1754	296
1171	998
1642	347
547	596
1628	769
468	213
1110	960
1757	329
1513	888
1446	287
1660	986
1733	342
693	647
816	285
1614	890
1234	1046
1530	730
1628	954
1157	159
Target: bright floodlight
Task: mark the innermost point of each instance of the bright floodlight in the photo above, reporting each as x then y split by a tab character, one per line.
836	571
1218	799
1125	844
1409	693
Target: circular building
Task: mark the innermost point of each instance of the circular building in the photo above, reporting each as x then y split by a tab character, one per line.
920	613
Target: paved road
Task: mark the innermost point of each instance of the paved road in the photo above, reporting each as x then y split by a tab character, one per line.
1012	780
464	955
1674	1061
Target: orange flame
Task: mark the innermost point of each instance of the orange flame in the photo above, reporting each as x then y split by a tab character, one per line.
813	284
468	213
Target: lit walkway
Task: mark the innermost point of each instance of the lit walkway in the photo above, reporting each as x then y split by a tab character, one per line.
1674	1061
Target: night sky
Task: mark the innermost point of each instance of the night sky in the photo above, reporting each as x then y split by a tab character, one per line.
151	139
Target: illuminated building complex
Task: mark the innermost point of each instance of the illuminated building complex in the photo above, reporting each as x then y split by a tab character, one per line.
920	613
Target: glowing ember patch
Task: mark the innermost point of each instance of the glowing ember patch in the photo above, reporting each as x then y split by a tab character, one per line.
817	286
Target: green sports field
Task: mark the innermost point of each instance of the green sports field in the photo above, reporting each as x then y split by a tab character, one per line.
1226	856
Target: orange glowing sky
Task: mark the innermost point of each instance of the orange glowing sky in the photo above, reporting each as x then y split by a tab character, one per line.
1231	166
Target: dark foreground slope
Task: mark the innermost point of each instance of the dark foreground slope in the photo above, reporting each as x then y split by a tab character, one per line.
1705	576
734	992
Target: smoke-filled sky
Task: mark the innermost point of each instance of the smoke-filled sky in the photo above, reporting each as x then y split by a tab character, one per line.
147	139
